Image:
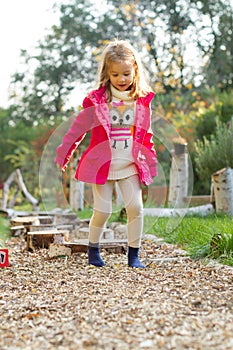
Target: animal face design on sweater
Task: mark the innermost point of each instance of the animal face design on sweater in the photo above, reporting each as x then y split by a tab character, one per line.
122	120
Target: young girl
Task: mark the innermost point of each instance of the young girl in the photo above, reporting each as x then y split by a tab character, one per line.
121	148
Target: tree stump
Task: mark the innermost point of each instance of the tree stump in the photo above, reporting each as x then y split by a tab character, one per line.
223	190
43	239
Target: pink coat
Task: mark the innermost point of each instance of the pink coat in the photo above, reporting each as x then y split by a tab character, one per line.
95	161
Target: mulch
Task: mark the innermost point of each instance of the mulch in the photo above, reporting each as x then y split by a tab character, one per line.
63	303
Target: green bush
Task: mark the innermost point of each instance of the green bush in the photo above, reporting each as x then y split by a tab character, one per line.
221	109
215	153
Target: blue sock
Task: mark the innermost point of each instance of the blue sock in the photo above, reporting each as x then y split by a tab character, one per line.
94	257
133	260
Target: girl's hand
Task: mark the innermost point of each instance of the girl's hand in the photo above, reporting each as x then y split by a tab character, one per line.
63	169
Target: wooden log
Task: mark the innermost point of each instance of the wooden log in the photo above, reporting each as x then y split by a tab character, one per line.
83	233
46	219
6	189
84	222
56	250
11	213
223	190
201	210
117	246
8	213
12	200
43	239
16	231
23	188
16	177
68	218
65	227
108	234
40	227
198	200
120	230
25	220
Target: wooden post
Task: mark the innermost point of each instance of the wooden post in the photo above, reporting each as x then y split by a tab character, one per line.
76	195
178	188
223	190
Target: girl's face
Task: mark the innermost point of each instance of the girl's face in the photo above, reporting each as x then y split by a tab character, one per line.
121	75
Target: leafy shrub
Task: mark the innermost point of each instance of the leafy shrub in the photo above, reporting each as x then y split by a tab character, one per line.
221	109
215	153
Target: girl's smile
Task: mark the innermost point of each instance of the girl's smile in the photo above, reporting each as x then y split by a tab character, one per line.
121	75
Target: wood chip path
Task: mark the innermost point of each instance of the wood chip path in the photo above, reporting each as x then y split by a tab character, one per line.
175	303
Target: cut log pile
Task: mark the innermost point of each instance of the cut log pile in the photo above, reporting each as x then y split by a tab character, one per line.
63	234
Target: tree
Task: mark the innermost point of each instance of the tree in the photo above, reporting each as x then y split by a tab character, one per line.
219	71
217	47
166	33
5	132
62	59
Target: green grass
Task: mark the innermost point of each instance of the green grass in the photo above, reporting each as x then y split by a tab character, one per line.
4	231
203	237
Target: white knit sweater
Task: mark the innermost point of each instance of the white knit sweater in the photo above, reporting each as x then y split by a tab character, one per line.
122	113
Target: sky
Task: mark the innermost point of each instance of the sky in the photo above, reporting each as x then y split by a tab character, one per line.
22	24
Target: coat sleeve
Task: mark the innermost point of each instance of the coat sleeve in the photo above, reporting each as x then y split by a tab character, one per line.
71	140
148	142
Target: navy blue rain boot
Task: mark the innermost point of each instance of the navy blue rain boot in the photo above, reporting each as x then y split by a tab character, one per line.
94	257
133	260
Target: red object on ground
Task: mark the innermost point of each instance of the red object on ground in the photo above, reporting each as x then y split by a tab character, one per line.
4	260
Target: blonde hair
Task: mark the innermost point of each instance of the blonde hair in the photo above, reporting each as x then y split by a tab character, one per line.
117	51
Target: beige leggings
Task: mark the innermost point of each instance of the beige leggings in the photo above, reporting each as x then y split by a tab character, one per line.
132	197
